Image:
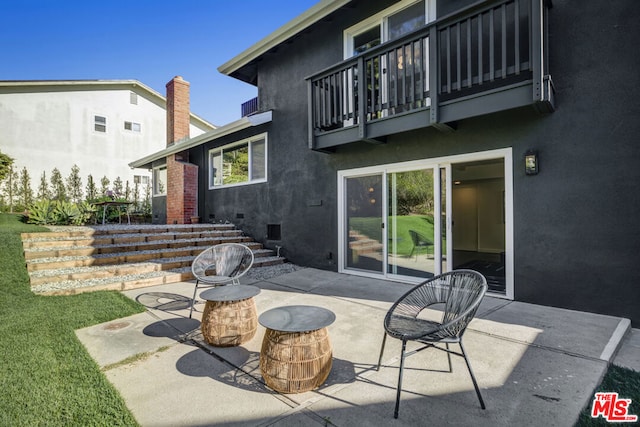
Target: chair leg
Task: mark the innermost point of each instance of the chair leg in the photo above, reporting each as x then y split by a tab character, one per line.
449	357
193	300
473	378
397	409
384	341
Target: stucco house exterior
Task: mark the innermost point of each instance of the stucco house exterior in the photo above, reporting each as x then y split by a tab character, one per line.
401	139
98	125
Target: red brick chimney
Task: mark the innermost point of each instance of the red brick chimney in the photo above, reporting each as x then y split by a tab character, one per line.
178	110
182	177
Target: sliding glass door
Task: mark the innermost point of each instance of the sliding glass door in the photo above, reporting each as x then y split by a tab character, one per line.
365	225
411	224
413	220
393	222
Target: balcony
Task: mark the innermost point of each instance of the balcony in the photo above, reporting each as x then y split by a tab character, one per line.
486	58
250	107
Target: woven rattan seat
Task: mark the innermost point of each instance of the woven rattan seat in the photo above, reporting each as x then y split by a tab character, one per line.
220	265
459	294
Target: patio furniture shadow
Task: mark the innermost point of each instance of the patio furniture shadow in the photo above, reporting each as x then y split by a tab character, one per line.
241	368
164	301
179	329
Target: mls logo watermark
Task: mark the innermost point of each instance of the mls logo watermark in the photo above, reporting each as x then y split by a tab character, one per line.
612	408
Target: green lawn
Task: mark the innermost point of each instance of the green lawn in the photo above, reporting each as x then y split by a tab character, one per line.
46	375
423	224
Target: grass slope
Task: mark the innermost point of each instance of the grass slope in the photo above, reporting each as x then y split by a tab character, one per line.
46	375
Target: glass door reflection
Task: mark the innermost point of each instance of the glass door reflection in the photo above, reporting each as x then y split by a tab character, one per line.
364	205
411	231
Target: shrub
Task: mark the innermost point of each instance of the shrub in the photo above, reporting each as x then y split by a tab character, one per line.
41	212
45	212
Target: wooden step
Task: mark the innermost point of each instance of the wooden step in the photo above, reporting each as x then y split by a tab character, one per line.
116	283
71	251
39	243
73	260
122	282
63	231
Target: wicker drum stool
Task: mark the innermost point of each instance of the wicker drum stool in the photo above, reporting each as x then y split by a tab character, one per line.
296	354
229	316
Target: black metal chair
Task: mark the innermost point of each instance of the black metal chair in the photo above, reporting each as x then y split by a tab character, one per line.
419	241
460	293
220	265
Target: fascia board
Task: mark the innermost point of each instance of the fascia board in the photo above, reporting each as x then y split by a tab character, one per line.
305	20
238	125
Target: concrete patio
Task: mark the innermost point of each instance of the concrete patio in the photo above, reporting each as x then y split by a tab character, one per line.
535	365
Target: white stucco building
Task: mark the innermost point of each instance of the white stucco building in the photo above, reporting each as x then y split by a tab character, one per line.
99	125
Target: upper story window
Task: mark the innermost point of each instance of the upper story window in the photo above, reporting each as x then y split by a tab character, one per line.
141	179
99	123
133	98
160	180
132	126
394	22
243	162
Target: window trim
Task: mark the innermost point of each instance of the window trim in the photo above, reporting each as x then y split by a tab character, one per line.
141	179
380	19
95	123
132	126
153	181
249	142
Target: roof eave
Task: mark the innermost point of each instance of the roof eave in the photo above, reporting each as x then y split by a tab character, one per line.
243	123
75	83
290	29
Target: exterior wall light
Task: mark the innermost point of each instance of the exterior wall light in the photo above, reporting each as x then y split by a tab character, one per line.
531	162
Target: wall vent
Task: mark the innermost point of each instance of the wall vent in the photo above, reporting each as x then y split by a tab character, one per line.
273	232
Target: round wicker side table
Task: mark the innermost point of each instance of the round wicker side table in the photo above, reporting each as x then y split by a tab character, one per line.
230	317
296	354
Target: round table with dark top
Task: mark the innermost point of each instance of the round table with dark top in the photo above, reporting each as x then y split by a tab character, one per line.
230	317
296	354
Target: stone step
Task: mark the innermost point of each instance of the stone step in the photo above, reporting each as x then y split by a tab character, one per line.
365	246
115	283
161	255
40	243
82	270
55	252
84	231
70	260
99	272
128	278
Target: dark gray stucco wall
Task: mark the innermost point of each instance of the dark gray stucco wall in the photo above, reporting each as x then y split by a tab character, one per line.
577	239
159	210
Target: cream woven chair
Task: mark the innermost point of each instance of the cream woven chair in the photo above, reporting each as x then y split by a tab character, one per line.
220	265
460	292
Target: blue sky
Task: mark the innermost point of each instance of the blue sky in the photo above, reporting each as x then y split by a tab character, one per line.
146	40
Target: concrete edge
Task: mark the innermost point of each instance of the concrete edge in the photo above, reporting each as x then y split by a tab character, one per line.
609	351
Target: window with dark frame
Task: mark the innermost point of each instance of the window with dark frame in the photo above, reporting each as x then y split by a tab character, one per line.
99	123
132	126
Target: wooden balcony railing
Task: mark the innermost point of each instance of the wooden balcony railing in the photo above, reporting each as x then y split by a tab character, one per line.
487	46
